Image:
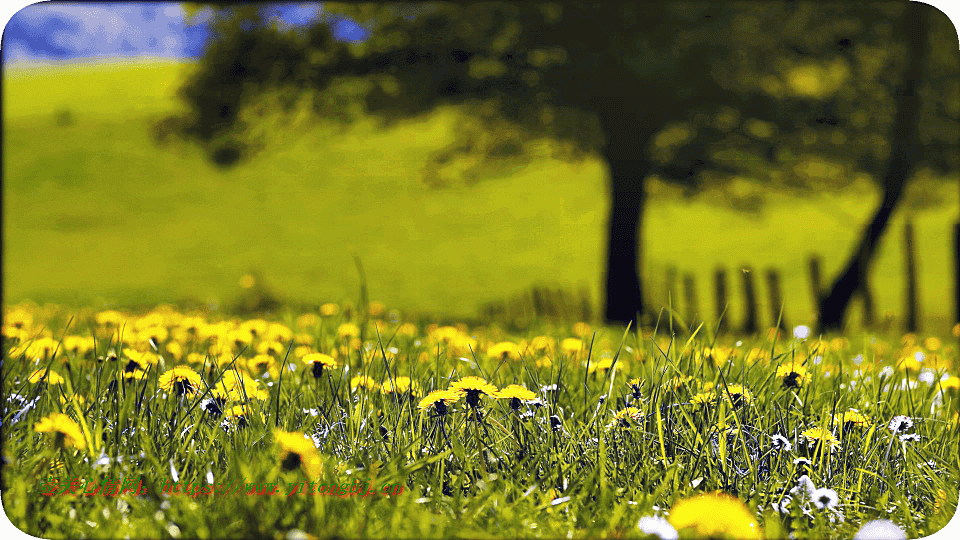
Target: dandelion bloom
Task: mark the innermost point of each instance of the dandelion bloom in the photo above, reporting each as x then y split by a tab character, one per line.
472	387
318	361
819	437
504	350
297	451
180	379
622	418
48	375
235	386
714	515
65	430
635	386
658	527
600	365
238	414
703	398
850	418
365	381
825	499
793	375
740	395
347	331
880	529
329	309
516	393
440	400
571	346
401	385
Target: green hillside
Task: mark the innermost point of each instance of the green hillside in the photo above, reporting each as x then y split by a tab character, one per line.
95	212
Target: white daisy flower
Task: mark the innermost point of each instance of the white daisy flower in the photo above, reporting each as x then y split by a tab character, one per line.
825	499
657	526
780	443
900	424
880	529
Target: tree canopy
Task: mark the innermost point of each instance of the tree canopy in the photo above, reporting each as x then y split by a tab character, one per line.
798	94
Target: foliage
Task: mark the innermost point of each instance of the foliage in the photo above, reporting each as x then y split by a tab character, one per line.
617	429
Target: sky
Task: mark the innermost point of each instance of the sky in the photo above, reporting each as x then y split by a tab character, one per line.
57	31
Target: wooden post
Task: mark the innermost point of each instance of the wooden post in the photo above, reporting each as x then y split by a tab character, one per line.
690	292
750	320
672	301
816	262
956	272
911	315
776	299
720	283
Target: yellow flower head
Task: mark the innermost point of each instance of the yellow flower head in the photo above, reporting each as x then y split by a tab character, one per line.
440	400
818	438
347	331
571	346
703	398
402	385
318	361
624	417
472	387
793	375
851	418
715	515
365	381
235	386
600	365
504	350
180	379
635	385
329	309
516	393
740	395
541	345
52	377
65	430
298	452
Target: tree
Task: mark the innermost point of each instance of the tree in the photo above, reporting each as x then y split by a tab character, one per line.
693	93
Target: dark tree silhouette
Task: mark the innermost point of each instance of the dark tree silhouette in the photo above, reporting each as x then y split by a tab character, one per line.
692	93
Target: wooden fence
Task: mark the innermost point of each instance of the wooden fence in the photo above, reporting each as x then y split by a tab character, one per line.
557	304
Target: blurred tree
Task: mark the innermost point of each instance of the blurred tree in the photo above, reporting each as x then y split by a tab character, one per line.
792	94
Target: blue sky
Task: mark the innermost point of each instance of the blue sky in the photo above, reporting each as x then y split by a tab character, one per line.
70	30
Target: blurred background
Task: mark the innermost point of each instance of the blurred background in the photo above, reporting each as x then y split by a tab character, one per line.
471	158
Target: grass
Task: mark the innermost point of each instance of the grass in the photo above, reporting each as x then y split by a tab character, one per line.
96	214
621	426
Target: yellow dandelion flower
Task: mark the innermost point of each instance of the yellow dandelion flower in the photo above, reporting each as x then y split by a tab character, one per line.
318	361
401	385
715	515
50	376
635	385
951	383
298	452
440	400
541	345
504	350
263	363
850	418
109	318
571	346
66	431
703	398
819	438
472	387
376	309
365	381
624	417
277	332
329	310
909	365
235	386
543	361
307	320
239	414
407	329
793	375
516	393
739	394
347	331
181	380
581	329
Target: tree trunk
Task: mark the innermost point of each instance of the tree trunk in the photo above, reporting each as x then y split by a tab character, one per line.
833	306
629	166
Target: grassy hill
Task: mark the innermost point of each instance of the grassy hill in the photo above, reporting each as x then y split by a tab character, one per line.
95	213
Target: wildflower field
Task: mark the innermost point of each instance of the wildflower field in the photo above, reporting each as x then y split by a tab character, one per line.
269	425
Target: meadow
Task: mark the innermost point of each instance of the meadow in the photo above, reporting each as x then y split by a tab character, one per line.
571	431
97	214
139	401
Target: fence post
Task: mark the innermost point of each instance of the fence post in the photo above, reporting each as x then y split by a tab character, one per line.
815	264
690	292
720	284
750	325
912	321
776	299
956	272
672	300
